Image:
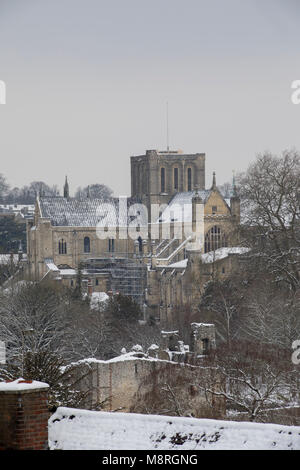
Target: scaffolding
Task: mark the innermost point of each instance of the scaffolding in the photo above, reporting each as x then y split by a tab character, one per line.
127	276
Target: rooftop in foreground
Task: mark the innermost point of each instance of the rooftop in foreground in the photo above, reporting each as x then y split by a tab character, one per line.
73	429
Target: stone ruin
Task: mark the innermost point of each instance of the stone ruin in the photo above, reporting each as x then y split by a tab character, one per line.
202	340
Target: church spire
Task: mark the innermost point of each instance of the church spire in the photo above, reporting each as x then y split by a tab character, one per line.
66	189
214	184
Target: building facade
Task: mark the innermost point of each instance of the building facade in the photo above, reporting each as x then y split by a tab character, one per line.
142	235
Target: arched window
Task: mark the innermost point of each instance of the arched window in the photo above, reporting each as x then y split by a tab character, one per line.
215	239
162	180
175	178
62	247
189	179
87	244
111	245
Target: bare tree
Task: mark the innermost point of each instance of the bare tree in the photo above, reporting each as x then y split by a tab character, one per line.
251	379
271	318
45	366
221	304
28	194
4	186
169	390
270	192
8	267
35	308
97	191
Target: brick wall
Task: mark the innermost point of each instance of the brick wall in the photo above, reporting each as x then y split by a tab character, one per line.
23	416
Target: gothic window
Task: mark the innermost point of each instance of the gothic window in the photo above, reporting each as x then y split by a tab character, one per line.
162	180
205	345
87	244
62	247
214	239
140	245
189	179
175	178
111	245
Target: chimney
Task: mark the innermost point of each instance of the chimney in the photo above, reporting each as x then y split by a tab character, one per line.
23	415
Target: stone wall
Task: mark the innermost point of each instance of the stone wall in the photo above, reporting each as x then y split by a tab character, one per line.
118	385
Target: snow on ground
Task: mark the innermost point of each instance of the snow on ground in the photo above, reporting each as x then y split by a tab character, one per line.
73	429
97	299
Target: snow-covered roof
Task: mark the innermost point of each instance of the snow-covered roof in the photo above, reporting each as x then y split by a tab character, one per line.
221	253
21	384
180	264
68	272
18	207
87	212
180	206
51	265
73	429
6	258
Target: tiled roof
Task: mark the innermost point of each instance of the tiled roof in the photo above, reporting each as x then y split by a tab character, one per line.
86	212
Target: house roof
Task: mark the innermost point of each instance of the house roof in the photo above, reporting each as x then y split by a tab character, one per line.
74	429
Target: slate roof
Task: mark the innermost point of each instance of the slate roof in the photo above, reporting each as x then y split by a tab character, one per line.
89	212
86	212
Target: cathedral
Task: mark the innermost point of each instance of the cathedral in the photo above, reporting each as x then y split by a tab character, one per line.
136	246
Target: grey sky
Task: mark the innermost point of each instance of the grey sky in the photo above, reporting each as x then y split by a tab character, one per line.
88	81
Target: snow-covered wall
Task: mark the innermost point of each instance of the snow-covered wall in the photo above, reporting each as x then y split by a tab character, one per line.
72	429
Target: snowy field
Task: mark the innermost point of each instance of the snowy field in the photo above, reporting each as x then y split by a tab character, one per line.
73	429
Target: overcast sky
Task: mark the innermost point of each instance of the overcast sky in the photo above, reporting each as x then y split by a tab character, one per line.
88	81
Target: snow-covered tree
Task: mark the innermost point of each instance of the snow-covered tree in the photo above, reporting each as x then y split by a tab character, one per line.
250	378
270	195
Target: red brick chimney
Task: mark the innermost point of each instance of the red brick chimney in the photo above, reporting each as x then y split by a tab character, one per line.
23	415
